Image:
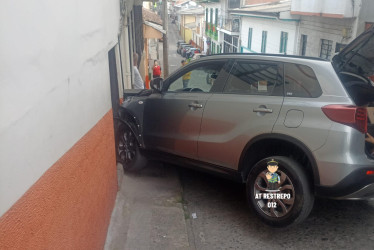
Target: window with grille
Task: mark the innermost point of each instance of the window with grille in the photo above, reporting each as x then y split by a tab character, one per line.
283	42
326	48
263	43
250	30
216	18
206	19
211	15
304	39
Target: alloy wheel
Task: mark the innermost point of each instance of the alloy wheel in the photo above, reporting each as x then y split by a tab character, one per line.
127	146
279	207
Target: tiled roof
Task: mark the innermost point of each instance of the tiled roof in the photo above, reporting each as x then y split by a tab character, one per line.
151	16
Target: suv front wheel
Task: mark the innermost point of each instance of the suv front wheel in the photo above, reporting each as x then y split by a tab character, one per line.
279	191
128	151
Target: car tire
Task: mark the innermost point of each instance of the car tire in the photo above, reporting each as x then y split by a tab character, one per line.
297	200
128	150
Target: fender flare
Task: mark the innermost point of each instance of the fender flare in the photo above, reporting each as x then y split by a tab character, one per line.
134	128
289	139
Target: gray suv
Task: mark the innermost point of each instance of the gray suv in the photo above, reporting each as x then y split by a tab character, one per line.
291	128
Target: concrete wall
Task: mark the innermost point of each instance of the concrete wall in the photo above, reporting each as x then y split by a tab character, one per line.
189	19
55	91
317	28
326	8
187	35
366	15
273	28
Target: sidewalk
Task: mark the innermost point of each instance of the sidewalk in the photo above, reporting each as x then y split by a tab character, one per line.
148	213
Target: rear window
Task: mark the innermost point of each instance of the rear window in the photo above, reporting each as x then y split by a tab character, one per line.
300	81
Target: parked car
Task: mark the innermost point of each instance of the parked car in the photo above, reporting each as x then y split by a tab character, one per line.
290	127
191	52
179	48
184	49
179	42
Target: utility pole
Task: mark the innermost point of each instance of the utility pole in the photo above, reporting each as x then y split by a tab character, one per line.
165	39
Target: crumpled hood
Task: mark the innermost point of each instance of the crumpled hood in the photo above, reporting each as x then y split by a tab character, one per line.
358	56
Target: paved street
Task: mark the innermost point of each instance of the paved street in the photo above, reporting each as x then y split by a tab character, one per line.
174	58
224	221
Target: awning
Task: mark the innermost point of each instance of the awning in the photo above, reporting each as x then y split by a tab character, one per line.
155	26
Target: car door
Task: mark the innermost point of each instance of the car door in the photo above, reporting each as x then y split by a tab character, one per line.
173	118
248	106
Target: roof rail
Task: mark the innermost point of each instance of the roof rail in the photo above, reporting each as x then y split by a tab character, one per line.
264	54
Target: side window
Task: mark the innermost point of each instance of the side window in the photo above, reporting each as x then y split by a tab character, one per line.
199	79
255	79
300	81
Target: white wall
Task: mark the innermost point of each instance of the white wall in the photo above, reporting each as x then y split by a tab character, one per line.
274	29
54	81
317	28
341	7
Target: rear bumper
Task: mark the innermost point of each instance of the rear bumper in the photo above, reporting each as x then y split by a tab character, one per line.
365	193
355	186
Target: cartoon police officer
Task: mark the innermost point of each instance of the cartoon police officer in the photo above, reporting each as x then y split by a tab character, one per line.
272	176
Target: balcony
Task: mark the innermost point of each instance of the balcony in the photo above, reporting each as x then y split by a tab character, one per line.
232	25
211	31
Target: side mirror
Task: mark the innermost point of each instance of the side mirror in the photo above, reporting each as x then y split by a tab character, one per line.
156	84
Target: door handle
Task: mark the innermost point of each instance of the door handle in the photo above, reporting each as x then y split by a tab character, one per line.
195	105
263	110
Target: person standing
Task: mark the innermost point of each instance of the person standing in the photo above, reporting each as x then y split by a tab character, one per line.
138	81
156	69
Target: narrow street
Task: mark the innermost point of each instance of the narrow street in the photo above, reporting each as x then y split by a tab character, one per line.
217	216
174	58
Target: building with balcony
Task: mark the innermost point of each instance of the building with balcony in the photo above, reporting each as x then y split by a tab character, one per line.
216	17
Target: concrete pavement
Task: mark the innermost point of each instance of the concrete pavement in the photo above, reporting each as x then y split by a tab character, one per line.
148	213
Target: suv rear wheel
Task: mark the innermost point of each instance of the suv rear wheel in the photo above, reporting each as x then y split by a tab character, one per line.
128	152
288	200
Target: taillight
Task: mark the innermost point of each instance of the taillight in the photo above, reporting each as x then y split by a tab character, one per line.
370	172
352	116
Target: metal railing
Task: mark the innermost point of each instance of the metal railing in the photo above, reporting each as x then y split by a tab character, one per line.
229	24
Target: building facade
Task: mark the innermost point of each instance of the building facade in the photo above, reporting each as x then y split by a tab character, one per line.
191	22
315	28
327	27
